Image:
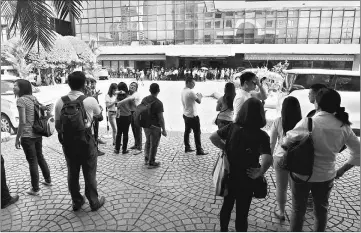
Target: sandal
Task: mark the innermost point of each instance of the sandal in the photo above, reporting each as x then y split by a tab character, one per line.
280	217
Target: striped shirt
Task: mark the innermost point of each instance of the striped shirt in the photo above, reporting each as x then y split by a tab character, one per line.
26	102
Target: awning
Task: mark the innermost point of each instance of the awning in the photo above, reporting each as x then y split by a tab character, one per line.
301	57
131	57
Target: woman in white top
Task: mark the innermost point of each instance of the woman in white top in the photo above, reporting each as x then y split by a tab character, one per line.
110	102
330	132
290	116
225	106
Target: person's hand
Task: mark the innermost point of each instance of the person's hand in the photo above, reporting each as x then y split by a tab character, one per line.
254	173
339	173
199	95
17	143
258	83
97	93
164	133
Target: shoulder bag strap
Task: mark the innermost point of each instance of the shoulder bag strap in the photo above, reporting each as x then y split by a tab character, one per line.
65	99
309	125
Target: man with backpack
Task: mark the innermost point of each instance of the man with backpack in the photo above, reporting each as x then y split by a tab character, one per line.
73	121
149	115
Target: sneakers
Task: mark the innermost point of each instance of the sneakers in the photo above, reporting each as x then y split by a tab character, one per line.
32	192
202	153
153	165
47	183
77	206
101	153
10	202
101	141
189	150
100	204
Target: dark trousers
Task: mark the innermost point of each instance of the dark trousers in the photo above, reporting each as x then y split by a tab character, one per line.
123	123
222	123
5	194
96	128
320	193
192	123
84	156
137	133
152	136
243	200
33	150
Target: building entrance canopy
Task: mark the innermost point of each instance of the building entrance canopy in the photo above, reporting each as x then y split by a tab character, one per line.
300	57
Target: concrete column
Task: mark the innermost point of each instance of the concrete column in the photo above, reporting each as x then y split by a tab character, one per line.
356	63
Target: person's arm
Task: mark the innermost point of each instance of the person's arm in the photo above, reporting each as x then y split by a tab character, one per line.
237	103
22	122
95	106
219	105
296	134
274	135
219	137
266	158
262	94
353	143
162	124
128	99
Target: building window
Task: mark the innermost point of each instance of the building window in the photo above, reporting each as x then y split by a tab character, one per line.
217	24
269	23
207	38
218	15
228	23
208	15
208	24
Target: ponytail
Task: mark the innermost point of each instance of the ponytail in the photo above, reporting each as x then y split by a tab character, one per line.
342	116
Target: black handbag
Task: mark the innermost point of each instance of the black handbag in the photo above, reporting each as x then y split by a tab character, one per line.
260	188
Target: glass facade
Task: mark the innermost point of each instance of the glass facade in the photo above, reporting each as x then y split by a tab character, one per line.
194	22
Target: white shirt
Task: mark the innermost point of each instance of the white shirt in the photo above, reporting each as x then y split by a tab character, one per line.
328	137
109	99
91	106
239	100
189	97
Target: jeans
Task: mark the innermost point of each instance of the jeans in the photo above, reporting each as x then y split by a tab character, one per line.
123	123
113	124
243	200
85	157
5	194
192	123
320	193
152	136
282	178
34	155
137	133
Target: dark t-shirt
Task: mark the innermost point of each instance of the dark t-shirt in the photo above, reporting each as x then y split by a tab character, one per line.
157	107
243	148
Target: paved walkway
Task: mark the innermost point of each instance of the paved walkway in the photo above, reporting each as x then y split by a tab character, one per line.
178	196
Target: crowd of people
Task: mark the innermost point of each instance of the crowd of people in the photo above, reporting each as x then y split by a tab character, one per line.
240	121
160	73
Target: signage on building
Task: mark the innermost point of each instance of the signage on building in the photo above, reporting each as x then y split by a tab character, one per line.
299	57
131	57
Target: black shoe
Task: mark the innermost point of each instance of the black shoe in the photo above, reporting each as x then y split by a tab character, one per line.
116	151
154	165
77	207
133	147
125	152
189	150
101	153
10	202
100	204
202	153
101	141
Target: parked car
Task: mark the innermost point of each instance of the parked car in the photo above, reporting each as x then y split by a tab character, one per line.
347	83
103	74
9	111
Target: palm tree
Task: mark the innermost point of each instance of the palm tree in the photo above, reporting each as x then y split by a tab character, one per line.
33	18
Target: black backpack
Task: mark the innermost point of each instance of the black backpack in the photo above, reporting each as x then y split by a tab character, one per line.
143	114
300	155
73	120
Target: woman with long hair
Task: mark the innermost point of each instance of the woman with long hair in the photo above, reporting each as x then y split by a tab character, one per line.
110	103
30	141
123	119
246	143
225	106
290	116
330	131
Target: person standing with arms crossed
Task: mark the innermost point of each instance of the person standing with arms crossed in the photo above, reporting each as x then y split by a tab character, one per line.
190	116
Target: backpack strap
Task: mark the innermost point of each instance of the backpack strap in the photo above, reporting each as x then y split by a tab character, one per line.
309	125
65	99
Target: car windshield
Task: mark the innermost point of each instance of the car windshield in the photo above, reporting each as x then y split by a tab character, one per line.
307	80
7	88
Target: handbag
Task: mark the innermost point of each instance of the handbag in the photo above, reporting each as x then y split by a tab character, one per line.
260	188
215	120
299	157
220	175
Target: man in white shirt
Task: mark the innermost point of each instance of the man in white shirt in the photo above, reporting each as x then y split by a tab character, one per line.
80	154
249	82
190	116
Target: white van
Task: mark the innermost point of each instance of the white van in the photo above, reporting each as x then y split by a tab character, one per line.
347	83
